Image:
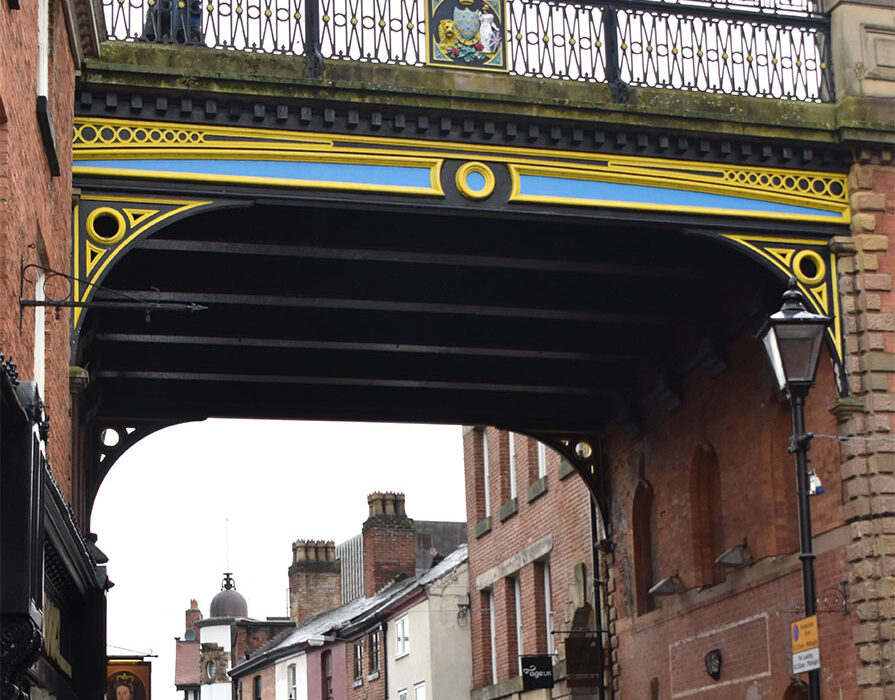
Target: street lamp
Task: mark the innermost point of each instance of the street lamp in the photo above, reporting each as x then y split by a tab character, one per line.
792	338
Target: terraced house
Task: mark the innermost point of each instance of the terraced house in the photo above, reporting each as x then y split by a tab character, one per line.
563	219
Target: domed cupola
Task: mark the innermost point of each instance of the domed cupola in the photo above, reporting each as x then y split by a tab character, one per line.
229	602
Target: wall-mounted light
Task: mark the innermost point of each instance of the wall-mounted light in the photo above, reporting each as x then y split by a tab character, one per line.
667	586
734	557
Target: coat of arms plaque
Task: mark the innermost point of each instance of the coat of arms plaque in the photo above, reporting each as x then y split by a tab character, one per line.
466	34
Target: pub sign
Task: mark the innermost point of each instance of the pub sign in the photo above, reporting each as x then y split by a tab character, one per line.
128	679
537	672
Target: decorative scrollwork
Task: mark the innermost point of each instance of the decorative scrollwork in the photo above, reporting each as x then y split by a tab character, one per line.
8	367
20	646
778	48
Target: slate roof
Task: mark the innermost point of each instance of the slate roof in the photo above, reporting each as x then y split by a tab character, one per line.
350	615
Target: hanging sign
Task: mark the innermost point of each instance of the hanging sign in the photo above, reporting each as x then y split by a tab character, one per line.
537	672
805	645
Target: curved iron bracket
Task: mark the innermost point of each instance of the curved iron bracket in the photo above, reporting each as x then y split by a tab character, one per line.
812	262
105	226
110	440
20	645
581	451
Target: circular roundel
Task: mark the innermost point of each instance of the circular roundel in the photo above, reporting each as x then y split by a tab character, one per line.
105	225
809	267
475	180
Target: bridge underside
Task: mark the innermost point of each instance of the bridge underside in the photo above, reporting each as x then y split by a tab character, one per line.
396	315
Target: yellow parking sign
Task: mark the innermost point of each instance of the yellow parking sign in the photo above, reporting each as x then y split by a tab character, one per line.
804	634
805	645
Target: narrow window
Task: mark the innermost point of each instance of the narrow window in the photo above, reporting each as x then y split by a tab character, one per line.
486	475
327	663
256	688
419	691
290	681
358	663
491	639
548	607
402	636
517	595
542	460
643	522
512	448
707	523
374	652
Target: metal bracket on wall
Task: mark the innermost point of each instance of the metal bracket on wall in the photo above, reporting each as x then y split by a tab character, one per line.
580	452
63	286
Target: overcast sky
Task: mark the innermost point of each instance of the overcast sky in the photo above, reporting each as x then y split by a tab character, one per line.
162	512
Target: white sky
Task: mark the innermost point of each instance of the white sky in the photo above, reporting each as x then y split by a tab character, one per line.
161	513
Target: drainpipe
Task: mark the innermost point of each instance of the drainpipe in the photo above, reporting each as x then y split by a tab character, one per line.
383	629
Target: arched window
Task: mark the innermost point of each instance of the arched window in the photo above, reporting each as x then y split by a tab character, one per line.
706	515
643	518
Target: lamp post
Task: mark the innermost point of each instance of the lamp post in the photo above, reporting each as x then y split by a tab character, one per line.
792	338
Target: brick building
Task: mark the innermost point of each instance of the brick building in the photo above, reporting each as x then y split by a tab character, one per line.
531	565
403	634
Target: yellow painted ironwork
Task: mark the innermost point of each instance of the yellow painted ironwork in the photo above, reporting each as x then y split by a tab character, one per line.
812	264
134	216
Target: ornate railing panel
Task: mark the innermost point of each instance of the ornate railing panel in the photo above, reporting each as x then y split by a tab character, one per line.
766	48
549	39
733	52
375	31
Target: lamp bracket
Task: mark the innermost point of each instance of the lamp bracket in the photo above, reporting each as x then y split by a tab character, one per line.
800	442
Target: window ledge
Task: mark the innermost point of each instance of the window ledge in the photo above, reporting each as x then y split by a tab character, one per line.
565	469
483	526
507	509
373	676
401	656
537	488
358	683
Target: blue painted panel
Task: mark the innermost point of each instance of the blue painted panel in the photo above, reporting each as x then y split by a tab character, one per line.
347	173
542	186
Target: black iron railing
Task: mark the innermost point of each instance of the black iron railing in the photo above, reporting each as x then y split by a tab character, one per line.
765	48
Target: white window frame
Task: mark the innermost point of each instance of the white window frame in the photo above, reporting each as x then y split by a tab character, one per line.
291	681
402	636
493	636
402	694
419	691
512	444
517	594
548	608
542	460
358	662
486	472
40	329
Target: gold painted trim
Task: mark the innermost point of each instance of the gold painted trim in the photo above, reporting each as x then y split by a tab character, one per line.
719	178
813	287
90	225
686	182
83	288
474	167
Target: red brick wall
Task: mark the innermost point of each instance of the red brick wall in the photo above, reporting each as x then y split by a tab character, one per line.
563	511
315	579
366	689
35	208
741	417
389	541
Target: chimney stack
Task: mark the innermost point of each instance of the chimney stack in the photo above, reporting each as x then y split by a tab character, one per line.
315	579
193	615
389	539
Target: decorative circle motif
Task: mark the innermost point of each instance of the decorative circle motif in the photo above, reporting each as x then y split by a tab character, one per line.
106	217
475	180
584	450
814	259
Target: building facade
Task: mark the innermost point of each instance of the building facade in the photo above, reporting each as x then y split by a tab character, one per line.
533	585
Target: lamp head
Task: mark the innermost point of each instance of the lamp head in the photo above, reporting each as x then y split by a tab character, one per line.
792	338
